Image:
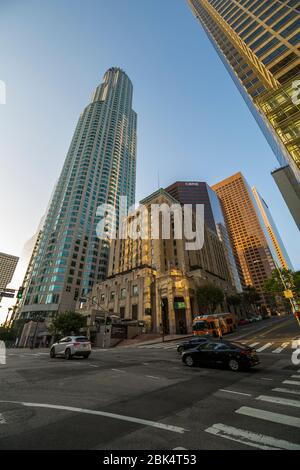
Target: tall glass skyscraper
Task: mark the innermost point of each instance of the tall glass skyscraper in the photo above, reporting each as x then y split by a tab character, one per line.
100	167
259	44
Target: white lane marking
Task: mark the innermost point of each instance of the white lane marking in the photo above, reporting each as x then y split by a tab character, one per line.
269	416
93	365
265	346
119	370
152	376
250	438
131	419
253	344
280	348
2	419
179	448
295	376
279	400
291	382
233	391
266	378
145	363
286	390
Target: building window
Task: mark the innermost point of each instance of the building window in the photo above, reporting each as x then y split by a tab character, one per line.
123	293
135	290
134	312
112	295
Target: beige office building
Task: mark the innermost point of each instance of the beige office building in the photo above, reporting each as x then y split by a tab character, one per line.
8	264
155	280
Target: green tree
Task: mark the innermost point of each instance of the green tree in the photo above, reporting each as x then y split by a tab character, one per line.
209	297
67	323
234	300
250	296
7	334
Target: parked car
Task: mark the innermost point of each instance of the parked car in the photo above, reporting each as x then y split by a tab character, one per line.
193	343
71	346
232	355
243	321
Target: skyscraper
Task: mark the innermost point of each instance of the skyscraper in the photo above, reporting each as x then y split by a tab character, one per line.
248	235
199	192
258	42
8	265
100	166
277	247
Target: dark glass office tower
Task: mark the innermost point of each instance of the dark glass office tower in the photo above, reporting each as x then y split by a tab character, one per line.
199	192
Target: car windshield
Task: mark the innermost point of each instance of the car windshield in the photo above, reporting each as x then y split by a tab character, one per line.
235	344
81	339
200	326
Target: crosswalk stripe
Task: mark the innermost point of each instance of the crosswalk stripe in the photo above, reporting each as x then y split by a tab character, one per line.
259	441
279	400
286	390
265	346
295	376
253	344
269	416
280	348
291	382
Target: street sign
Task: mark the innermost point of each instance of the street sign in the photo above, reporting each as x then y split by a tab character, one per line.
288	294
7	294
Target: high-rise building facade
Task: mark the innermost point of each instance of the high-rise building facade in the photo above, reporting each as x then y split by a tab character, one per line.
100	166
248	235
8	264
199	192
259	44
277	247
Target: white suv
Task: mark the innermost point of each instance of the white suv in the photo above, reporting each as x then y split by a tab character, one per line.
71	346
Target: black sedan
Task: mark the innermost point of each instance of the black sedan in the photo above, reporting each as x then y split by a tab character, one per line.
193	343
235	356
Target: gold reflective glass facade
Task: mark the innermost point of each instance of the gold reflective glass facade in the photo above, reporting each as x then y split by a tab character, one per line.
259	43
250	245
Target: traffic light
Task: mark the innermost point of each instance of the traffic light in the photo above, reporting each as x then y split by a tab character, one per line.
20	293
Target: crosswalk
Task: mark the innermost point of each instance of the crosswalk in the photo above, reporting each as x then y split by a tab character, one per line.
274	347
280	407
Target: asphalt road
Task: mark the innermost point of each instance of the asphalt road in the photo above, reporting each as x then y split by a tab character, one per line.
143	397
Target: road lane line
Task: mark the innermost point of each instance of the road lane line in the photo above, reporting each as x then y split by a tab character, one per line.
291	382
279	400
269	416
295	376
250	438
265	346
131	419
253	344
233	391
280	348
286	390
119	370
152	376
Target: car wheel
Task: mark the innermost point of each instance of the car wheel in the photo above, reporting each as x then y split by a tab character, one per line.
189	361
68	354
233	365
52	353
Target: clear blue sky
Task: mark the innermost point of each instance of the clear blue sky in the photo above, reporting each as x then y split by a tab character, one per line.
192	122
